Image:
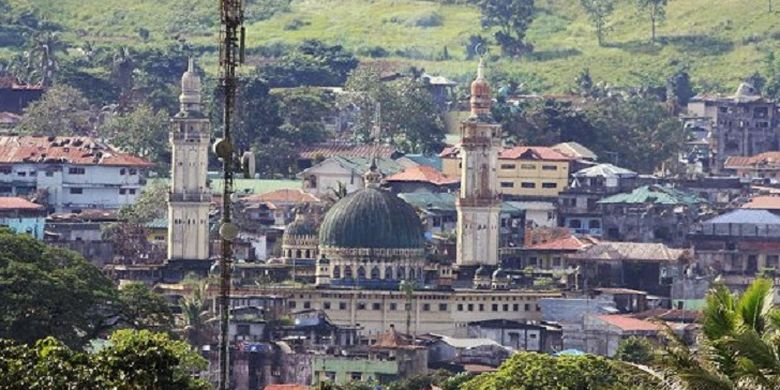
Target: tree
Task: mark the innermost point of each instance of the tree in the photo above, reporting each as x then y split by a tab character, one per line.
62	111
142	308
599	12
142	132
546	122
312	63
195	323
529	370
42	61
635	350
47	291
512	17
151	204
679	90
129	360
739	344
656	9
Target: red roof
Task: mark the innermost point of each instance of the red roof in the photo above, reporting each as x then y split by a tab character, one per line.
70	150
283	195
423	173
763	202
346	150
13	203
628	324
518	153
766	158
567	243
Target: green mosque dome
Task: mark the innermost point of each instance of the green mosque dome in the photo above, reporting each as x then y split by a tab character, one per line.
372	218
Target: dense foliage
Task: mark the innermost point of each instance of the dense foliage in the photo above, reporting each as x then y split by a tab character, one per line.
131	360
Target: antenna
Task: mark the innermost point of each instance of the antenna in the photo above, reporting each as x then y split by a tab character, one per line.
231	55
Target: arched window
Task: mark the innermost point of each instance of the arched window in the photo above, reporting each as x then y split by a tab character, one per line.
347	272
336	272
297	253
375	273
575	224
389	272
401	273
361	273
411	273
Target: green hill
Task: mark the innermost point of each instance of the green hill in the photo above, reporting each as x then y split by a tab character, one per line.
720	41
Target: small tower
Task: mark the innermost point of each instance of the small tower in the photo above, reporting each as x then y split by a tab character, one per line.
322	272
189	197
478	203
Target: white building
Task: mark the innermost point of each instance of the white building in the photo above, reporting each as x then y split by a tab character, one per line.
189	199
479	203
69	173
325	177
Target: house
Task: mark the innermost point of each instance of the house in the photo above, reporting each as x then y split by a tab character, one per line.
313	330
16	96
83	232
738	245
523	171
309	156
603	333
275	208
550	253
744	124
521	336
422	178
538	213
329	175
23	216
651	213
575	150
445	350
441	89
70	173
719	191
157	231
247	324
578	207
763	166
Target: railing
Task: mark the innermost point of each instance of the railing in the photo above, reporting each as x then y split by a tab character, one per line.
189	197
185	136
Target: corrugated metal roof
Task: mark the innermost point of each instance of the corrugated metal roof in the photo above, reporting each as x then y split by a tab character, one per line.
763	202
442	201
746	216
626	323
605	170
575	149
629	251
423	173
655	194
14	203
347	150
70	150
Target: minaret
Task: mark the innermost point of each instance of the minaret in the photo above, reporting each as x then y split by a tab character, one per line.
189	198
478	203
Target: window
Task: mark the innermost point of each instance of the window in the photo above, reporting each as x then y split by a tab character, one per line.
575	224
361	306
527	166
471	307
49	173
508	166
355	376
242	329
481	307
426	307
6	170
76	190
460	307
507	184
22	174
342	306
291	304
556	261
133	171
6	189
527	184
515	307
393	306
549	168
506	307
771	261
527	307
326	305
549	185
494	307
131	191
442	307
376	306
122	191
76	171
307	305
122	171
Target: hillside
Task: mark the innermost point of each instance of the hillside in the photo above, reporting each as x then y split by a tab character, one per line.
719	41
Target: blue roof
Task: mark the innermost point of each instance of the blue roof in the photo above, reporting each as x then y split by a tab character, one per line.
431	161
746	216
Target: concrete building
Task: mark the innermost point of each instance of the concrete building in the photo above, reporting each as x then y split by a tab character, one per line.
603	333
478	203
69	173
744	124
23	216
83	233
189	198
521	336
327	176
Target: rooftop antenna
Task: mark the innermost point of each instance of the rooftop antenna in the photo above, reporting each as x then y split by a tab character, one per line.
231	55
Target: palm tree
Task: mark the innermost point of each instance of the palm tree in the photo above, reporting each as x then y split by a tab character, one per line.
195	323
42	61
739	346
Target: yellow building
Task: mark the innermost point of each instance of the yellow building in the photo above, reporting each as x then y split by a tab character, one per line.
533	171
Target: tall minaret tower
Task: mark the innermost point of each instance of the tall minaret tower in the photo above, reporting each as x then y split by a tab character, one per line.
189	199
478	203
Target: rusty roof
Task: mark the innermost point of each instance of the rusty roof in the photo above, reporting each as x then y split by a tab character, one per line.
15	203
64	150
566	243
291	195
629	251
764	203
771	159
423	173
346	150
627	323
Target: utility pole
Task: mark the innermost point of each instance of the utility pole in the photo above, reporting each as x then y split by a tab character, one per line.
231	55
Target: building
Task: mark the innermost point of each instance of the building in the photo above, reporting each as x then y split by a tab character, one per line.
738	245
478	203
651	213
328	176
448	351
69	173
744	124
521	336
23	216
421	178
300	247
308	156
576	150
15	96
763	166
83	232
603	333
578	207
720	192
189	199
522	171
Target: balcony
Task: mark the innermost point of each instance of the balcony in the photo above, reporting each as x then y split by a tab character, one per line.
189	197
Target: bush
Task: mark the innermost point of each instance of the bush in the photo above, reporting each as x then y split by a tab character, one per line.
295	24
431	19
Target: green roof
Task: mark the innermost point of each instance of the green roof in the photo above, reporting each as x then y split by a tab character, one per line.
371	218
443	201
655	194
245	186
157	223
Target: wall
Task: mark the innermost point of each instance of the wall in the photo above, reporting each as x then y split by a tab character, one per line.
31	225
342	368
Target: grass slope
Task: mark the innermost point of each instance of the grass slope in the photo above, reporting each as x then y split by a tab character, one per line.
720	41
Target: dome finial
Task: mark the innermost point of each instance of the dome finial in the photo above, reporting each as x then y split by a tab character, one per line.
480	91
372	177
190	88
